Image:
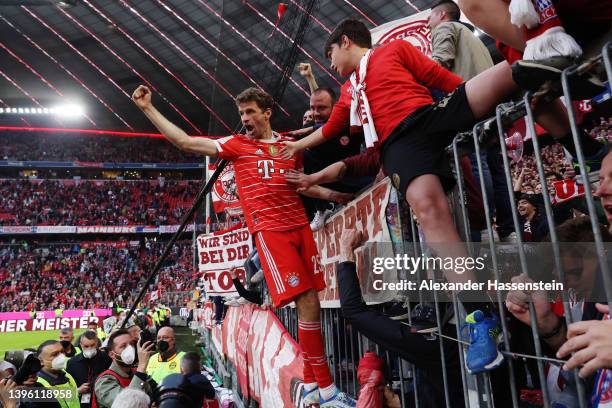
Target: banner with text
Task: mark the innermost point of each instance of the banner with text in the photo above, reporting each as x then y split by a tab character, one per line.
217	253
368	213
49	320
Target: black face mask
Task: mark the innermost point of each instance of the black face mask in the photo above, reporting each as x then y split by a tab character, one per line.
163	346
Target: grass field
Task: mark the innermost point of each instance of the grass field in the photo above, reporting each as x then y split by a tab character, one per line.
22	340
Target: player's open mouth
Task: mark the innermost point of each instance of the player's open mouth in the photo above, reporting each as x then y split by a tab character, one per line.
249	128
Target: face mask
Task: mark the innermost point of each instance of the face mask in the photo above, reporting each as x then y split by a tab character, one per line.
128	355
163	346
90	353
59	362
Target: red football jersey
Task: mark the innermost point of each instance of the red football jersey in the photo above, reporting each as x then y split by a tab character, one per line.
268	201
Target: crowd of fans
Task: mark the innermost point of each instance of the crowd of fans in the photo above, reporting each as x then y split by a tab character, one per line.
555	160
88	275
70	147
61	202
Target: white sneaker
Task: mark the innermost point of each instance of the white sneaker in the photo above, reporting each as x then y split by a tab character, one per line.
318	221
340	400
258	277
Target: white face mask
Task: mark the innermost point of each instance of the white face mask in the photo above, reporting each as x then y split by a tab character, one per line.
90	353
59	362
128	355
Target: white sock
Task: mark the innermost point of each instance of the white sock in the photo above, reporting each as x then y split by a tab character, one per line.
310	386
328	392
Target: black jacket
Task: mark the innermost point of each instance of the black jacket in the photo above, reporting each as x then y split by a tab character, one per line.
85	370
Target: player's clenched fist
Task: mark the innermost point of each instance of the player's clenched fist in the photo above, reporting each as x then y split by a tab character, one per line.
142	97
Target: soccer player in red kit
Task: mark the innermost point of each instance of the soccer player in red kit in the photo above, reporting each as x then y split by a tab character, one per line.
276	218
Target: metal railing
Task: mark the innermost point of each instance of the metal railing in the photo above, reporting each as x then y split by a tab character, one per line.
345	345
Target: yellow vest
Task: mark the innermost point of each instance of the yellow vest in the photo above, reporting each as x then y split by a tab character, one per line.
71	385
101	333
158	369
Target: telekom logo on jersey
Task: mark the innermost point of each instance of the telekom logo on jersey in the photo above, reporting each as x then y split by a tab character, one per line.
266	167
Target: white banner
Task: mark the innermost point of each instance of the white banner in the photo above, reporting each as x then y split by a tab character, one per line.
413	29
368	214
217	253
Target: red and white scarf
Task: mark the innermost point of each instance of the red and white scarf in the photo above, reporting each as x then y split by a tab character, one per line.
361	115
543	30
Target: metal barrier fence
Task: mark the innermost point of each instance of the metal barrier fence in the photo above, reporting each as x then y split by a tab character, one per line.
345	345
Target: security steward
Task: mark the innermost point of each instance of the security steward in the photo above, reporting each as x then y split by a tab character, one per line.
168	360
53	375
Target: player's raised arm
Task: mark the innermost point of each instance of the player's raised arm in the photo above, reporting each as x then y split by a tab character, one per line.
201	145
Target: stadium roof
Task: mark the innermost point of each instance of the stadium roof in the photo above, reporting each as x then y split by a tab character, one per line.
196	53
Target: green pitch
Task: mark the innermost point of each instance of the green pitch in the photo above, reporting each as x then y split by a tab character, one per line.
22	340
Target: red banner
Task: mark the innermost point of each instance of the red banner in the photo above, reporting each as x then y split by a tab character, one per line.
268	361
236	328
224	196
566	190
276	362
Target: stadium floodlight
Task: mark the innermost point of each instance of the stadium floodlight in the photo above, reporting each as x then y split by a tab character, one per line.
45	110
14	110
19	110
1	110
26	110
70	111
39	110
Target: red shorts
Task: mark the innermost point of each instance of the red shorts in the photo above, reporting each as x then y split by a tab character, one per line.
291	263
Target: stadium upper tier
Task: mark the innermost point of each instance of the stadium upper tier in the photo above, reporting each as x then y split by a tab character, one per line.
70	147
94	202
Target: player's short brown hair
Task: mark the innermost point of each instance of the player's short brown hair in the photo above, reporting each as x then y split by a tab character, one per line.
261	98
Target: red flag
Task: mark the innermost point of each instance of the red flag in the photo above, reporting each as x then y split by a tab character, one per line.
280	12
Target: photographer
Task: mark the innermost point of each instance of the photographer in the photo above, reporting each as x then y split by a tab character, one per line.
26	377
121	374
87	366
53	374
